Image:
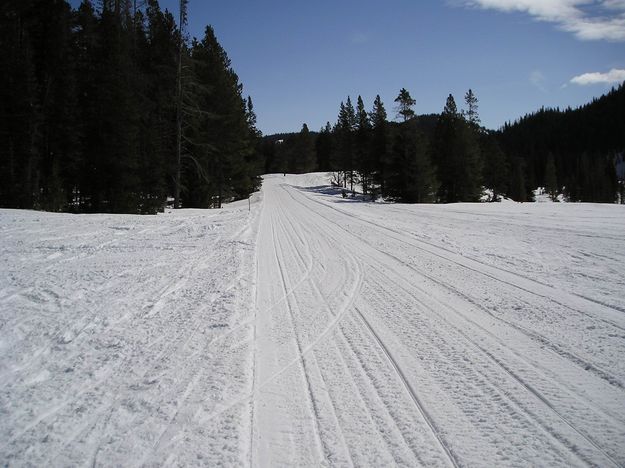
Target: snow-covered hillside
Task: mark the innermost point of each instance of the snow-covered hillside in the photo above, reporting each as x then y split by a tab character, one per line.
315	330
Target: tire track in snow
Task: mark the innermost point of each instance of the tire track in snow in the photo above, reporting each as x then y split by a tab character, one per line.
311	399
531	390
396	369
484	264
407	385
453	459
308	348
504	367
312	283
463	264
582	363
521	408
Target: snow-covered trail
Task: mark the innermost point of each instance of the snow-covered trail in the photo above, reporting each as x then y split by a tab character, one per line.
313	330
376	346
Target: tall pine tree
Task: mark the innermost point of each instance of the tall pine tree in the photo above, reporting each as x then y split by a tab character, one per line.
457	155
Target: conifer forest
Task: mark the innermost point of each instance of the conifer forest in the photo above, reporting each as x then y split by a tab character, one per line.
112	107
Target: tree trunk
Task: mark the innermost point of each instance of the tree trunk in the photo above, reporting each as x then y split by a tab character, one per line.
179	112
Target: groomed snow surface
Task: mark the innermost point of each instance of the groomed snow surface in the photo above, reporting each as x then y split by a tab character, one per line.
314	330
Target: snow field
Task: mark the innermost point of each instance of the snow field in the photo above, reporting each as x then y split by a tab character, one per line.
315	330
121	337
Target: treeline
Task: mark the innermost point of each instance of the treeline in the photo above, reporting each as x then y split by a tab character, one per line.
450	157
421	159
572	151
110	108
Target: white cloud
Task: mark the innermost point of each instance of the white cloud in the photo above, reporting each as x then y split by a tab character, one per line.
614	4
613	76
587	19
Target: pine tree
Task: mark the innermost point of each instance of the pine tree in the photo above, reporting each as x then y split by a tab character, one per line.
51	29
471	113
597	181
323	148
182	23
379	143
363	153
251	117
159	114
87	46
345	128
350	126
405	103
304	157
457	155
219	144
517	182
551	180
20	114
496	170
117	154
411	176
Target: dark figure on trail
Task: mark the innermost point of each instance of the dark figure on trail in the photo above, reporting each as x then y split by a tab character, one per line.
344	193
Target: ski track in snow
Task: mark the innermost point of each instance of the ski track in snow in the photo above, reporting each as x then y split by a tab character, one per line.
314	331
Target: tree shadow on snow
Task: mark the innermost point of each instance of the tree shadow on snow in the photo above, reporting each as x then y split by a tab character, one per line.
333	192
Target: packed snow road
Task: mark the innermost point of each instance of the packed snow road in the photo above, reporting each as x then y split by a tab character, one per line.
380	343
314	330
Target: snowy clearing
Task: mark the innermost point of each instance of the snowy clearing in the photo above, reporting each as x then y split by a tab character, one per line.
315	330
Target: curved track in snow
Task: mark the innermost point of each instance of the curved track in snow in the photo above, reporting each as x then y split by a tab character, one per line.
376	347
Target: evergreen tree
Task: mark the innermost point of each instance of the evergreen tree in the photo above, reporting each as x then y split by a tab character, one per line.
251	118
457	154
363	153
182	23
220	144
405	103
345	129
51	24
496	170
411	176
159	117
517	181
323	148
304	157
471	112
379	150
350	126
116	153
597	181
551	180
87	45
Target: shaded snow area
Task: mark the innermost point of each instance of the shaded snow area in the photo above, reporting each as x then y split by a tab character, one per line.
315	330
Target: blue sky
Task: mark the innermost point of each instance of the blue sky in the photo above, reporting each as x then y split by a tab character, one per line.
298	60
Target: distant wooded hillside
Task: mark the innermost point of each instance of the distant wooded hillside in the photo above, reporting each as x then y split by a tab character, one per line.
584	145
450	157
